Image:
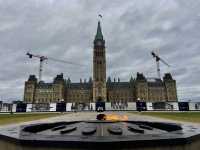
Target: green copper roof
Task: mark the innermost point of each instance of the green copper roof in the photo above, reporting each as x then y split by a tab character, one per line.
99	35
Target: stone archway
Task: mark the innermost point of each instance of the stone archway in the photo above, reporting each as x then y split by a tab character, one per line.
99	99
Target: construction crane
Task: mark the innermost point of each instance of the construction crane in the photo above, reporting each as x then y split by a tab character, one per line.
45	58
158	59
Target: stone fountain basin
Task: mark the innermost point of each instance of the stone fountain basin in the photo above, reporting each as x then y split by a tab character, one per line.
100	135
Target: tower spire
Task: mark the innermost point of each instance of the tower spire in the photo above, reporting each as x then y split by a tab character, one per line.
99	35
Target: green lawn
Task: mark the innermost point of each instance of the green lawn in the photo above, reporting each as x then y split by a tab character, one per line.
181	116
16	118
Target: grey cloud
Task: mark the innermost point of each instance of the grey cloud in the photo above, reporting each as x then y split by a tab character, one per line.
65	30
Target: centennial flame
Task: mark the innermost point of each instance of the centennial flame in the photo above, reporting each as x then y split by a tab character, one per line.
112	117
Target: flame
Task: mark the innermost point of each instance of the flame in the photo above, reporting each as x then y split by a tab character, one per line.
113	117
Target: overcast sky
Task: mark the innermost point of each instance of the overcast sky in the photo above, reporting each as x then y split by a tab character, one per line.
65	30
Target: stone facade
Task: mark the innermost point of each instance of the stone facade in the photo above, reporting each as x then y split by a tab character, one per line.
41	92
98	89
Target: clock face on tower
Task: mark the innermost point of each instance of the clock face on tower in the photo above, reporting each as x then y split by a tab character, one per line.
99	43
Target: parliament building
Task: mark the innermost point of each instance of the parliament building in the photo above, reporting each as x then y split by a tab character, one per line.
100	88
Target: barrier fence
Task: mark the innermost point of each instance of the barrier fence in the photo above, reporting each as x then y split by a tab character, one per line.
100	106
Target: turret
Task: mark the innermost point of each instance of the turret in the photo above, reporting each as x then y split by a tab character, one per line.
141	87
59	88
29	89
170	86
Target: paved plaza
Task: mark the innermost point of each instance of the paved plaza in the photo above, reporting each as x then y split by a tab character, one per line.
78	116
